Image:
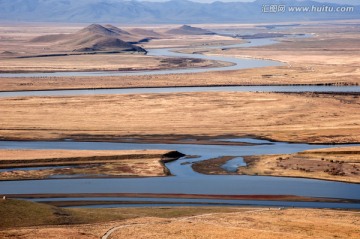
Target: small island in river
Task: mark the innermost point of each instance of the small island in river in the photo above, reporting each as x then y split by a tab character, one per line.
335	164
43	164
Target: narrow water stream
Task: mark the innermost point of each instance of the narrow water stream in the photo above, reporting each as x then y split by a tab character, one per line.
185	181
237	63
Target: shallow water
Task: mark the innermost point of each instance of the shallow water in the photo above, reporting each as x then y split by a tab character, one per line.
185	181
34	168
184	90
178	202
232	165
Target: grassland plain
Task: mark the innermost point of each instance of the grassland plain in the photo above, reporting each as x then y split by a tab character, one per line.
43	221
312	118
99	62
300	117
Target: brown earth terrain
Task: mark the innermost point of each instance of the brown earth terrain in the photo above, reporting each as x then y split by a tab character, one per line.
212	166
336	164
339	164
86	163
330	56
299	117
98	62
92	48
189	30
86	196
200	222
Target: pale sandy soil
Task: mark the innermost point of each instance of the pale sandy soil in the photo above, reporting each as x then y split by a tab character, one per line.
313	118
29	154
126	163
191	41
241	223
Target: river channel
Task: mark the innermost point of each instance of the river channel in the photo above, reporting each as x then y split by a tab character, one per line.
236	63
185	180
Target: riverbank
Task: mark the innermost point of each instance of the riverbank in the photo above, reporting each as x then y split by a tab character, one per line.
100	200
334	164
43	221
43	164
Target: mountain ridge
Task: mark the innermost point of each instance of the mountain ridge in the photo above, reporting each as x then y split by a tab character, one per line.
174	11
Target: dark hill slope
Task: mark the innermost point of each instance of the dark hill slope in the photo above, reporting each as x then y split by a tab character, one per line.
92	38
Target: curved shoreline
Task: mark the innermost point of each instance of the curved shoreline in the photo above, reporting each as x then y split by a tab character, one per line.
267	197
174	139
78	164
266	165
237	64
299	89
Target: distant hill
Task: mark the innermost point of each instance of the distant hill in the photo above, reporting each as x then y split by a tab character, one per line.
173	11
189	30
96	29
92	38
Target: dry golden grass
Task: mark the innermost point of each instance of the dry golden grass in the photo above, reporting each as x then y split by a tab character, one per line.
124	163
241	223
98	62
192	41
313	118
287	75
267	224
29	154
330	59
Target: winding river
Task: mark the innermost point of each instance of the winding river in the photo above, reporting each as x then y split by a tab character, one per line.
237	63
185	180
